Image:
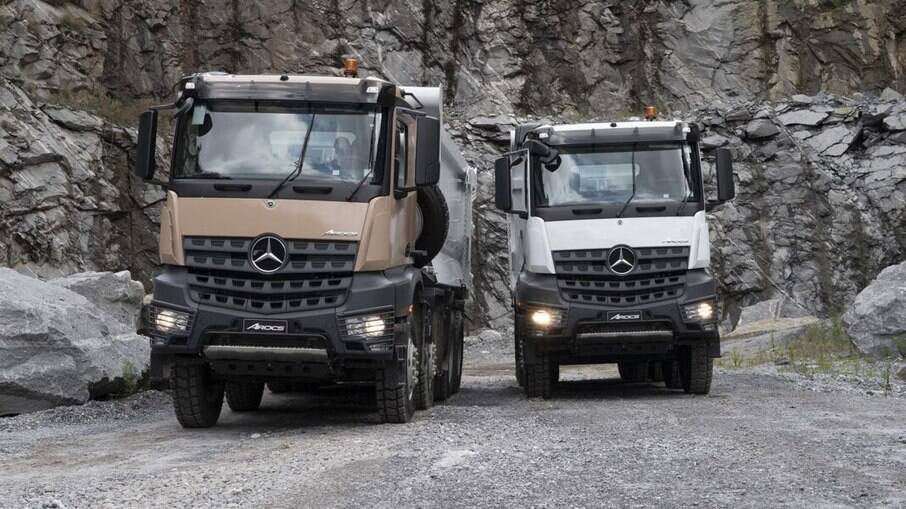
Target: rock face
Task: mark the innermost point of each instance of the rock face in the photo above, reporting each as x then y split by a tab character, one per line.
876	322
58	347
818	175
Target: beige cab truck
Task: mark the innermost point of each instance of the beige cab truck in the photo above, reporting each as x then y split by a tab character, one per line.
315	231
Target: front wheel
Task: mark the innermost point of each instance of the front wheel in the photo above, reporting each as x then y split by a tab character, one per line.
197	397
395	384
696	369
518	357
539	377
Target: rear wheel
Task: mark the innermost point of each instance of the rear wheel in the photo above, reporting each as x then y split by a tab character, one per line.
279	387
696	369
457	344
244	397
672	377
442	332
424	387
197	397
633	371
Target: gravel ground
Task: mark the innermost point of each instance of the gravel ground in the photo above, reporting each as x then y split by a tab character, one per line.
760	439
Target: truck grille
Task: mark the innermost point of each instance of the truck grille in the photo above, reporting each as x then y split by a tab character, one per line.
317	275
584	277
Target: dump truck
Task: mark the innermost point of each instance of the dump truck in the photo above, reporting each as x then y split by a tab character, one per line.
316	231
609	250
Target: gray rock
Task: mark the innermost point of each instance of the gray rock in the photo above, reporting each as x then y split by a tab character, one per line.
57	347
490	336
876	321
891	95
115	293
833	142
767	333
895	122
714	141
803	117
761	128
74	120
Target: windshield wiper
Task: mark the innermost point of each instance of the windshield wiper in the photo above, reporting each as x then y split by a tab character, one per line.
632	196
359	185
298	169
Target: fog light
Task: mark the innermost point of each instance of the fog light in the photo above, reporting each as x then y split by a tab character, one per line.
168	321
542	318
702	311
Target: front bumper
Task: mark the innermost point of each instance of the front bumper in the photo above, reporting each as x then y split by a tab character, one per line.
594	331
313	343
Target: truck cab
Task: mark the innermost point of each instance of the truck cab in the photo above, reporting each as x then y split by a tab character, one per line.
315	231
609	251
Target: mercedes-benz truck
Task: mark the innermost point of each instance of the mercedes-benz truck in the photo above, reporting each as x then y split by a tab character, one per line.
316	231
609	250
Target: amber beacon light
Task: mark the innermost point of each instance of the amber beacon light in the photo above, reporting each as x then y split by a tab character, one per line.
350	67
650	112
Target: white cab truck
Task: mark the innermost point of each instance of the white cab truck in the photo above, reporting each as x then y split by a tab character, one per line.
316	231
609	251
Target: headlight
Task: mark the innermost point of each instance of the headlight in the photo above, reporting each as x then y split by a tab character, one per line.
541	319
370	326
701	311
168	321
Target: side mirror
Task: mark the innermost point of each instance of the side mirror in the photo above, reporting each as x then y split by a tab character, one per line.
145	163
549	157
503	197
427	151
726	189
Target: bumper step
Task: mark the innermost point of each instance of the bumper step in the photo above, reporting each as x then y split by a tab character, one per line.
265	353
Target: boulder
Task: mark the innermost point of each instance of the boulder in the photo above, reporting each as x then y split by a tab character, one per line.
761	128
876	320
767	333
114	292
57	347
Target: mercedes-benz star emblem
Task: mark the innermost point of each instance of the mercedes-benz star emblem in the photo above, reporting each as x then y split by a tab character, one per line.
268	254
621	260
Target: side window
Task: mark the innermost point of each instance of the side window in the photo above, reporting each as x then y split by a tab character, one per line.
402	145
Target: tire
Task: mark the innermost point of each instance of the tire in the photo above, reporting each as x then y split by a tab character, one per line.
443	335
244	397
555	373
518	358
279	387
424	387
458	344
435	224
395	386
696	369
538	377
197	397
671	372
633	371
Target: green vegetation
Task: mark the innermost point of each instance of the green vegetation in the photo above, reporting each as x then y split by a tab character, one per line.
133	381
822	349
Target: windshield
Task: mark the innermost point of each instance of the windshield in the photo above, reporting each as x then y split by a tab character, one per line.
599	174
250	139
